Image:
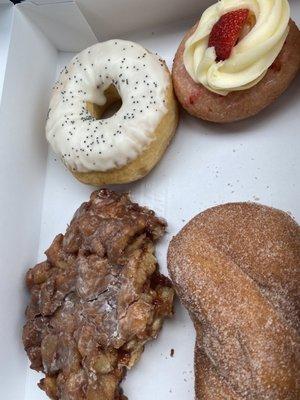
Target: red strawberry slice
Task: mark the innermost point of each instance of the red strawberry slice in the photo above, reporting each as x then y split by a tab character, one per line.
225	33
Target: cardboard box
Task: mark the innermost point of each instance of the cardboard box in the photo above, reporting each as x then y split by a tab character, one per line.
205	165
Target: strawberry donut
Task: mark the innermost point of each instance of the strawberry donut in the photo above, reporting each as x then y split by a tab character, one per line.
237	60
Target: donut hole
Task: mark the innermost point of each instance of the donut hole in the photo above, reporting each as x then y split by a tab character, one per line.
111	107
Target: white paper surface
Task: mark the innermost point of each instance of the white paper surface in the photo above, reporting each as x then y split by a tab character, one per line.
114	17
205	165
23	153
5	25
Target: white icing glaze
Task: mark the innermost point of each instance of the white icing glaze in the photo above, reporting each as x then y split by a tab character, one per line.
86	144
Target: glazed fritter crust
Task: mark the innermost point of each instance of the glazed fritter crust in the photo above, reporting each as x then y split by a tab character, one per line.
96	300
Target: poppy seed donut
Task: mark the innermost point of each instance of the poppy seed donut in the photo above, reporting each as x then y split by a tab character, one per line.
205	104
127	145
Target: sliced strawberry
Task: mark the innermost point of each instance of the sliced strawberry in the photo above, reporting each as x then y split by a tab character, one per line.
225	33
193	97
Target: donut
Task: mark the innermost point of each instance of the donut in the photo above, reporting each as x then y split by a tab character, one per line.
245	78
236	268
127	145
97	299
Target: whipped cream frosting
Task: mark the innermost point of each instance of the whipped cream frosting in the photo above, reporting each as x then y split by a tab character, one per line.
87	144
250	58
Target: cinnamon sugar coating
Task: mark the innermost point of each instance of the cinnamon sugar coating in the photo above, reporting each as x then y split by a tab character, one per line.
236	268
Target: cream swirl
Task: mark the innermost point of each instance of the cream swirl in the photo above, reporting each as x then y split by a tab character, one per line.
250	58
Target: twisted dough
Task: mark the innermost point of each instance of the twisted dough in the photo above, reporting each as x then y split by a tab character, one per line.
236	268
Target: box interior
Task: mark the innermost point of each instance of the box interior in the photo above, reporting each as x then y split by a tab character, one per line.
205	165
136	15
62	23
5	23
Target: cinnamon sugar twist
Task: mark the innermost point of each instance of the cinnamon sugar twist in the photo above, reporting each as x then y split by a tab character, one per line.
236	268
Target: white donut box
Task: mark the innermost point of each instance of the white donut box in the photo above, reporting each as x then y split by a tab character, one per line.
206	164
